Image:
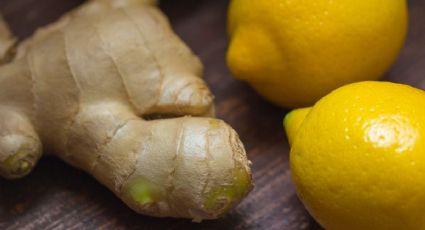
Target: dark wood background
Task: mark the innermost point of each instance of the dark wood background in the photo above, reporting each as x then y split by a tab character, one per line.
56	196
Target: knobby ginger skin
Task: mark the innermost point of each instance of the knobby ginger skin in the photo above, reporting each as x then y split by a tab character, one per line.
79	89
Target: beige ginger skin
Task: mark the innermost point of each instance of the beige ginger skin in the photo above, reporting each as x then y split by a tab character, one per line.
80	89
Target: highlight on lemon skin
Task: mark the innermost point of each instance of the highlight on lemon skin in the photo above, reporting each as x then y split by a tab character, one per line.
357	158
295	52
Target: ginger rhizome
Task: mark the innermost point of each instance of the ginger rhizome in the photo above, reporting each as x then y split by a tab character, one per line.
80	89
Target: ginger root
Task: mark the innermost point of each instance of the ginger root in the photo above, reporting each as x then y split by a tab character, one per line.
81	88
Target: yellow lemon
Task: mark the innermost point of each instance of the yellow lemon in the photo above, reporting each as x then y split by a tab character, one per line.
295	52
358	157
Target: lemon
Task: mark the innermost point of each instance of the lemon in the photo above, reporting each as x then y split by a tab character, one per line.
358	157
295	52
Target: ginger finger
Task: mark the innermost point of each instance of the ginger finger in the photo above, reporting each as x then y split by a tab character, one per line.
20	147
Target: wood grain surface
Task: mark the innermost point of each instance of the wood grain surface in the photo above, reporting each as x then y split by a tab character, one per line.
57	196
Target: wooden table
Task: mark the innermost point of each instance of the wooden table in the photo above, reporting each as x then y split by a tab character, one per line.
57	196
